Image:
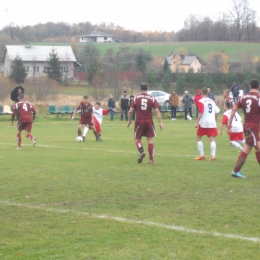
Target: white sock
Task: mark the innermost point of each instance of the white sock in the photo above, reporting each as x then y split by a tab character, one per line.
213	147
200	148
237	145
85	131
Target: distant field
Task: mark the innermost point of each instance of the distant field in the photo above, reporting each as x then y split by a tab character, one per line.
234	50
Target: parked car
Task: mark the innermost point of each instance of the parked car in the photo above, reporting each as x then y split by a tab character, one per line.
161	97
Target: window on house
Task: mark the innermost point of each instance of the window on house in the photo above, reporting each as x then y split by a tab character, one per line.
36	69
27	68
105	38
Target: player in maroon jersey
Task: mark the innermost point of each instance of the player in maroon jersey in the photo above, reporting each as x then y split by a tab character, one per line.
86	117
24	110
143	104
250	103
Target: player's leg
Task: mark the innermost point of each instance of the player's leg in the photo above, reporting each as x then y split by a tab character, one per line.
19	139
213	147
140	148
257	152
28	134
240	161
237	145
150	149
79	129
85	131
200	144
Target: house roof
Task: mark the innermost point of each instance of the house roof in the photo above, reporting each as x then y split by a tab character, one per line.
185	59
38	53
188	60
97	33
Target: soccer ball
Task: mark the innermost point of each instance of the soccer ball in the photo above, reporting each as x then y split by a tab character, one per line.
79	139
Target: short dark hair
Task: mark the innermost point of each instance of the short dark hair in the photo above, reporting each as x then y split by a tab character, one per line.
229	104
85	97
254	83
204	91
21	96
143	86
98	103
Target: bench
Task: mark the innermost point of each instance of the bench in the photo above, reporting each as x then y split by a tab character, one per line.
6	110
61	110
167	108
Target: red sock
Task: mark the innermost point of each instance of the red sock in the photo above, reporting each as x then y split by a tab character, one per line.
19	139
257	154
29	136
138	144
240	161
151	151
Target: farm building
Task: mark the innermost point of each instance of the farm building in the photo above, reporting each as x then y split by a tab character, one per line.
184	63
96	36
35	59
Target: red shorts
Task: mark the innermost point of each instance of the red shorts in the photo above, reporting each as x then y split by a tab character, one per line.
236	136
207	131
97	125
251	131
144	127
24	126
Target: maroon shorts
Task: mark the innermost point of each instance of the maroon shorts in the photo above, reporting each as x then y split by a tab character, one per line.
25	126
85	122
144	127
207	131
251	131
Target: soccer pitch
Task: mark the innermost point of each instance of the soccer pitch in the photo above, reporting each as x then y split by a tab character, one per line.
92	200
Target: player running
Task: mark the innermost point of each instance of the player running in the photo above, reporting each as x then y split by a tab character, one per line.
143	104
24	110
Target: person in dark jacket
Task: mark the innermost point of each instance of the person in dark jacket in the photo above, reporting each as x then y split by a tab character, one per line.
124	104
187	101
112	105
210	95
246	88
130	101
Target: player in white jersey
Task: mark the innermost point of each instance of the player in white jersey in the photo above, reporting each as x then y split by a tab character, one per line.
206	124
236	136
98	114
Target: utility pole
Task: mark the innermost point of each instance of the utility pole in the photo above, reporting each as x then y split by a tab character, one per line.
117	77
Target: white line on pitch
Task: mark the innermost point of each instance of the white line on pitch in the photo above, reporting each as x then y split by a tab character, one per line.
132	221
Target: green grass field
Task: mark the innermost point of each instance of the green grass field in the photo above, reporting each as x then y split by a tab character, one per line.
92	200
236	51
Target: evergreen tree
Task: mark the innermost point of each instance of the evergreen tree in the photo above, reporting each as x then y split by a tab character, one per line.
152	78
18	72
53	69
166	80
165	65
181	84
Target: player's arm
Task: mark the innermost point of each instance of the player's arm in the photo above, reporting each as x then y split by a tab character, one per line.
234	110
130	115
158	115
13	115
74	113
198	119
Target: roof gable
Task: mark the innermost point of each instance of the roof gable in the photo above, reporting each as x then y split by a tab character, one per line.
97	33
39	53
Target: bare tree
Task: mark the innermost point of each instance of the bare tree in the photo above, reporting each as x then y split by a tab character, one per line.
241	16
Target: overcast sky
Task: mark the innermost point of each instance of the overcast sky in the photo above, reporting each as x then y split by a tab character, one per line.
138	15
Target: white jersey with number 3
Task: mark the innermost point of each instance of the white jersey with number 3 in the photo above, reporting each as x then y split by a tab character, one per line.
209	109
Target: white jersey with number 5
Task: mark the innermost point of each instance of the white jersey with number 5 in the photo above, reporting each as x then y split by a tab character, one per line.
209	109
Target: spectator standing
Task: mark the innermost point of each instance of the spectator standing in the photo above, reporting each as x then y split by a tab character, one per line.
187	101
197	97
24	110
206	124
111	105
235	92
227	98
144	103
210	95
246	88
250	103
124	104
130	101
174	102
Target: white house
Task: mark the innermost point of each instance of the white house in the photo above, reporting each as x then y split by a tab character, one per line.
35	59
184	63
96	36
